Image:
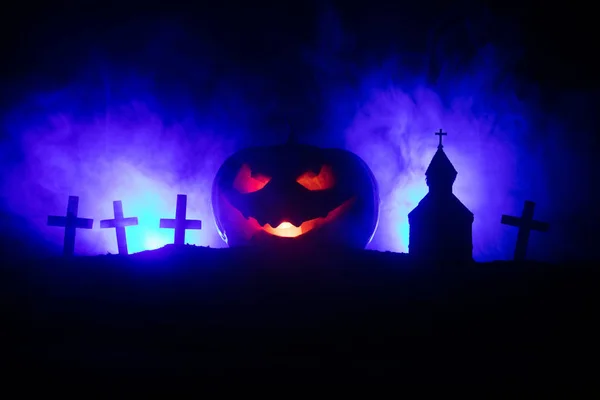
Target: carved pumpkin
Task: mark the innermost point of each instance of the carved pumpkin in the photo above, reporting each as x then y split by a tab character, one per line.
294	193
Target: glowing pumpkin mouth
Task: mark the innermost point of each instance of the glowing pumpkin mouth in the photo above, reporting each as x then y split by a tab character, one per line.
288	230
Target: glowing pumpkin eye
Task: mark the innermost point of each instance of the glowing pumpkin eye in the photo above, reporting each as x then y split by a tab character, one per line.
246	182
324	180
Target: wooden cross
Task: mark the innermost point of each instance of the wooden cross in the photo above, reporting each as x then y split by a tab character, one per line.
70	223
119	223
440	134
525	224
180	224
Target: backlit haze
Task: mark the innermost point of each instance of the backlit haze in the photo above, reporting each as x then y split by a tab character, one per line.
113	131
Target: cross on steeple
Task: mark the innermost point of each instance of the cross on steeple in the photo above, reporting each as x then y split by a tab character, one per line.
180	224
526	224
440	134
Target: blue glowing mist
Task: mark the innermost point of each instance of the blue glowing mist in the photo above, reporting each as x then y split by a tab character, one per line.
118	132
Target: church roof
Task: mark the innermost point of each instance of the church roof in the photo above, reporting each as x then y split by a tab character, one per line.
440	165
430	206
440	202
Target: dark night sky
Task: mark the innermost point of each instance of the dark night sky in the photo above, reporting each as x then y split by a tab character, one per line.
558	39
553	46
555	42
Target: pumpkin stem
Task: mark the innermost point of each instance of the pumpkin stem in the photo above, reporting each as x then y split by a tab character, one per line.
291	135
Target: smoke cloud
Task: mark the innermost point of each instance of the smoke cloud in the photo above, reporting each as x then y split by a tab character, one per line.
123	138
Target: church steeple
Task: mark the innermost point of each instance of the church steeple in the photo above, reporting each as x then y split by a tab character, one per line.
441	227
441	173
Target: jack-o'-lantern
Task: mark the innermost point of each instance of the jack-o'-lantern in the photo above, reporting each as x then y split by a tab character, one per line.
295	193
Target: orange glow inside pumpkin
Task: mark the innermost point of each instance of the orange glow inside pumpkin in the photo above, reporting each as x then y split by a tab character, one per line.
285	229
324	180
246	182
251	226
288	230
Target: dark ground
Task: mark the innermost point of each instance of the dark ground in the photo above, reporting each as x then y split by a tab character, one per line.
226	313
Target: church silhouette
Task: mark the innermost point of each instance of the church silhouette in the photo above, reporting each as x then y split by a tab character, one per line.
440	225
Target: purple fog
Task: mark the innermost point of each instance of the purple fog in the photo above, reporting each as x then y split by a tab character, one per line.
79	140
129	154
394	133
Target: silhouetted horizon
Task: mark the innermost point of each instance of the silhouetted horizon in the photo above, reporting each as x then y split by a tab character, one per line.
143	102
